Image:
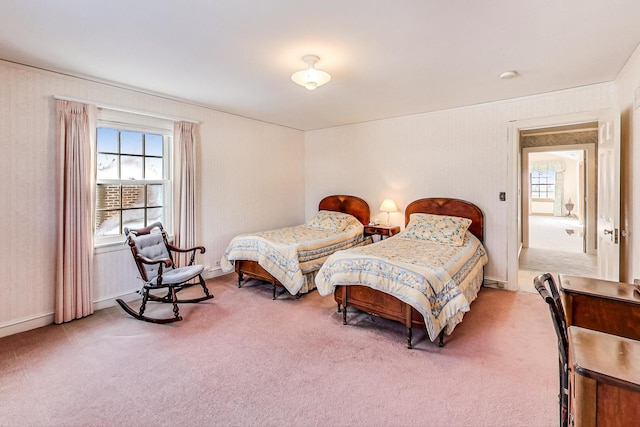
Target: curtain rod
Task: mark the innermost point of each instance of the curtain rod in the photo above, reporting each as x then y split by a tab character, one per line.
126	110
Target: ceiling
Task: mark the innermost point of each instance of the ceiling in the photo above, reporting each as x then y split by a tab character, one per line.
386	58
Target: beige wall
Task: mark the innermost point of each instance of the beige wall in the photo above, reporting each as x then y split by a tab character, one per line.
253	175
461	153
243	167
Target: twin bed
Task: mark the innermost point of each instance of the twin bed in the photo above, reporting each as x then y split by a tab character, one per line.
426	276
290	257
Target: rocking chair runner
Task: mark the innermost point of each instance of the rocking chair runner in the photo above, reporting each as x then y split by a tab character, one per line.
153	255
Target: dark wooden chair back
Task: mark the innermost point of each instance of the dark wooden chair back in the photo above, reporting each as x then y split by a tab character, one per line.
548	290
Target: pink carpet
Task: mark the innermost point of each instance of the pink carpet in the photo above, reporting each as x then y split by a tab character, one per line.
242	359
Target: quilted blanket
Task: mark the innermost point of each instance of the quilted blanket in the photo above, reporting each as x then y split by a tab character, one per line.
429	276
290	253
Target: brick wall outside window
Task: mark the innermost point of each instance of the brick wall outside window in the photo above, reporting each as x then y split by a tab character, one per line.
108	198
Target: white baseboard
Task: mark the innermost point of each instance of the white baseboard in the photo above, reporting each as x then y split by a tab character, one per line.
111	301
25	325
214	272
494	283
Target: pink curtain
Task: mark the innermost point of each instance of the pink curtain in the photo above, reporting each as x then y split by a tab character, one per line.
184	141
74	258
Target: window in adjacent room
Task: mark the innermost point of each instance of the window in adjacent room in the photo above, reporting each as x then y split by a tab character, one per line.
543	185
133	182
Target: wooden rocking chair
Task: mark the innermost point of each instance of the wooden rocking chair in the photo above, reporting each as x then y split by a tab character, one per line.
153	255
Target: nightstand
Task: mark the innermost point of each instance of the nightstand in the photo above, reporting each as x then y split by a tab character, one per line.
381	230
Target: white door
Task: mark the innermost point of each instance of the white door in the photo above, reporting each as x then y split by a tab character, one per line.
609	197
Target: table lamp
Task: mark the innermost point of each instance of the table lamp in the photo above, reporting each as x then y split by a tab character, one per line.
388	206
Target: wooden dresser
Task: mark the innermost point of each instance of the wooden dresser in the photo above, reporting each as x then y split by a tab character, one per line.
601	305
605	379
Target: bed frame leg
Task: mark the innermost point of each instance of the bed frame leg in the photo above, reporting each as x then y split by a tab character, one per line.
441	339
339	308
344	305
408	321
274	292
240	278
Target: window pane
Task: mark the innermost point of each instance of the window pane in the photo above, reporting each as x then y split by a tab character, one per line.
133	218
155	195
107	197
153	144
543	184
130	142
132	196
107	140
131	167
107	223
153	168
154	215
106	166
124	155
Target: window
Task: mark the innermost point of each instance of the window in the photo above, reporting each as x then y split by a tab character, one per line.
543	185
133	187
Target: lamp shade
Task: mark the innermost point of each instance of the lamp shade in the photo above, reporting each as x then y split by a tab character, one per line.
311	78
388	205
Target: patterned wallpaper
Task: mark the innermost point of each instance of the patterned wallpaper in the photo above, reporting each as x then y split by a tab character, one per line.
243	167
566	138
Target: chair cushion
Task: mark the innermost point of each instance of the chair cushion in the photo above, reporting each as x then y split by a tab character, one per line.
152	246
179	275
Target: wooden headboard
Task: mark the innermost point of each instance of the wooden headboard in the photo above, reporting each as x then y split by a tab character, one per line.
347	204
451	207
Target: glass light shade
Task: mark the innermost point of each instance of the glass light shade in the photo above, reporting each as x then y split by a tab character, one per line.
310	78
388	205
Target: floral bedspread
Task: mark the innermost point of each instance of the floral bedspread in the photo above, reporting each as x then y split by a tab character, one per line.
429	276
291	252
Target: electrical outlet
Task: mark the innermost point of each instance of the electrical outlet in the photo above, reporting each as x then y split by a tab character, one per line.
217	263
636	282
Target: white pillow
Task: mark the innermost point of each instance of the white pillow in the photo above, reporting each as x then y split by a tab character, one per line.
448	230
331	220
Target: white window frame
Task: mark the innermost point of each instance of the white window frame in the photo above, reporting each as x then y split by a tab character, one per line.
108	118
544	184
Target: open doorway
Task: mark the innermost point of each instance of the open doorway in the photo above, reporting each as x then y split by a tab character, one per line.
558	204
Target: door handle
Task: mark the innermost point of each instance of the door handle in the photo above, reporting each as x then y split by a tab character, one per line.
614	234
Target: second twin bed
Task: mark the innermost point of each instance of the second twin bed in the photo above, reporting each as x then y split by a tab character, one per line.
426	276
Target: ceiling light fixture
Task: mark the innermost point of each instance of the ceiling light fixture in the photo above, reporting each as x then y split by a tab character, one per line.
310	78
509	75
